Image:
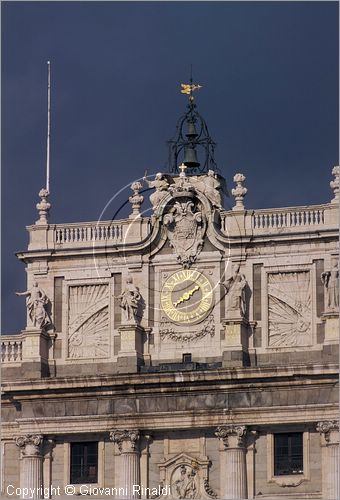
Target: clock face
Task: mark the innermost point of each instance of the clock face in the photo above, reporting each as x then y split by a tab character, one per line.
187	297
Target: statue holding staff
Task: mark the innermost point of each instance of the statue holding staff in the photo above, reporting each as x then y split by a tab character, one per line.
36	303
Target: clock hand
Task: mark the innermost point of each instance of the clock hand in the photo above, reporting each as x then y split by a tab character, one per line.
186	296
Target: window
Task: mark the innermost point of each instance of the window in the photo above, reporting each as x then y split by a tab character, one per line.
186	358
84	463
288	453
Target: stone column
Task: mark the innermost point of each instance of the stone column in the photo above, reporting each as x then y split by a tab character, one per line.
31	470
128	445
329	431
233	474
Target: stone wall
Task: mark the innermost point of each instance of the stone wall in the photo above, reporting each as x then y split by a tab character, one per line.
291	486
58	464
10	465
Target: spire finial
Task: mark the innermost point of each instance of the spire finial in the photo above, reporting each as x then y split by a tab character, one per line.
44	206
239	191
189	88
48	126
136	200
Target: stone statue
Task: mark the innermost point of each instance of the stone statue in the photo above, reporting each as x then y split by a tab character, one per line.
330	279
129	300
235	288
161	185
36	303
191	488
210	186
185	486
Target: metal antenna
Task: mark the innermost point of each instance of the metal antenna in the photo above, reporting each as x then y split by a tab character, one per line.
48	126
191	96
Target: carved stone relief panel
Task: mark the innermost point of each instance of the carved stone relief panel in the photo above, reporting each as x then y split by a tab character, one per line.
168	331
88	321
187	477
289	309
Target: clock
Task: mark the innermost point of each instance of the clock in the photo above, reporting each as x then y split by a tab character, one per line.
186	297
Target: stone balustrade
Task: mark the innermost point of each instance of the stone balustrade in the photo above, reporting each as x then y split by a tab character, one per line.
233	222
260	221
90	232
289	219
11	348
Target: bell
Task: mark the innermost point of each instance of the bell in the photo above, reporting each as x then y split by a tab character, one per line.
191	131
190	157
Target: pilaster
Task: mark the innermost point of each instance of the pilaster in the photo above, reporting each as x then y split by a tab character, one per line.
48	447
329	431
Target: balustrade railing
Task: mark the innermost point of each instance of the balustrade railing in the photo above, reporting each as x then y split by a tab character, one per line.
11	349
279	219
89	234
291	217
85	233
258	221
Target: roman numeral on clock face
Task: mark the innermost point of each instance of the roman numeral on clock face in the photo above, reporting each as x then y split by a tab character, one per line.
186	297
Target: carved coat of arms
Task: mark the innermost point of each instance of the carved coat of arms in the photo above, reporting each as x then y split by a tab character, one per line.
185	226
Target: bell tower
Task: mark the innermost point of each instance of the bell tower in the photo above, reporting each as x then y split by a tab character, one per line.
192	143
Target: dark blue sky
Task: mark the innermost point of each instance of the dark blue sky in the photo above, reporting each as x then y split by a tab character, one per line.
270	98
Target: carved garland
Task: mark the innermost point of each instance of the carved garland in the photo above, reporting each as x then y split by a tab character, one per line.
167	331
208	489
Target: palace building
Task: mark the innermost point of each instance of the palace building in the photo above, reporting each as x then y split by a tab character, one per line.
189	353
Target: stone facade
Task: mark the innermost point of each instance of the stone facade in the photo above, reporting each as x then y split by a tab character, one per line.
182	344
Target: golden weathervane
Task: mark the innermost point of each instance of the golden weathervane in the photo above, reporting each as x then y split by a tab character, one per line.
189	88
